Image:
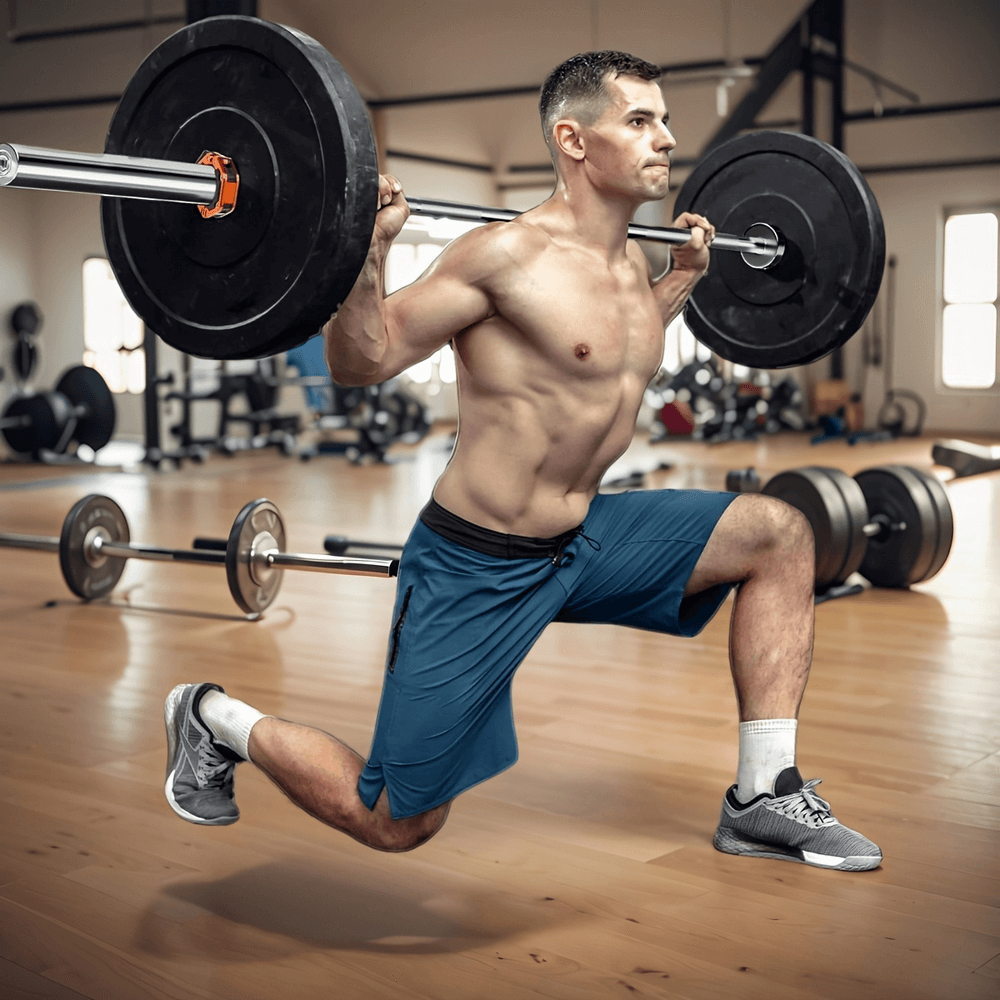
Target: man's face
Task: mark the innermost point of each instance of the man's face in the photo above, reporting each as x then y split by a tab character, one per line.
627	147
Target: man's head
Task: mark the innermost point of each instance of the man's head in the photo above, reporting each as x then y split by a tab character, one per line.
603	100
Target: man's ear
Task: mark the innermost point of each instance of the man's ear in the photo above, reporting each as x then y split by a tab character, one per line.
569	138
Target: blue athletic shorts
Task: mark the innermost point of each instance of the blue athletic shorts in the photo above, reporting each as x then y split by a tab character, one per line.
470	604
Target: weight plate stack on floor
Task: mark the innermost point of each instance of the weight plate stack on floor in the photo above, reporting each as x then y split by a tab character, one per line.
835	506
915	515
820	291
266	277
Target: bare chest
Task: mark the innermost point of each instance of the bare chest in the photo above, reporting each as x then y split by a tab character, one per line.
589	322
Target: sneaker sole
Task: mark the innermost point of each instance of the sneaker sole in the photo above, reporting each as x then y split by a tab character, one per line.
169	719
731	843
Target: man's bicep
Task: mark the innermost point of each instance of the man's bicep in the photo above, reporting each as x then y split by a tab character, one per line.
421	318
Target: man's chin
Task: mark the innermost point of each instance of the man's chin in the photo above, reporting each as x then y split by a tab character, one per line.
658	191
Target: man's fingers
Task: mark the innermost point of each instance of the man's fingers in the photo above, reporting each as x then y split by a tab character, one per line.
698	224
388	188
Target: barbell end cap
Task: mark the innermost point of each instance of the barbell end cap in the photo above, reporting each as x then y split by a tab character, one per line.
773	235
394	568
8	163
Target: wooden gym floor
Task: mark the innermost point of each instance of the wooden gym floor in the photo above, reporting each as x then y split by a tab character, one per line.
587	870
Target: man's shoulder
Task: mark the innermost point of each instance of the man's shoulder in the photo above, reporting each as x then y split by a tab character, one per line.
494	248
515	238
638	257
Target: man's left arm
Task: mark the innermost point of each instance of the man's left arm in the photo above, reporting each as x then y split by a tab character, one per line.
689	264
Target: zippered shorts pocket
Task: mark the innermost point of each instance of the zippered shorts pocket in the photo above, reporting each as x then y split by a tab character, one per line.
397	629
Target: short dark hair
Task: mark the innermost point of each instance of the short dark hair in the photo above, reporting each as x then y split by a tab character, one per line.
579	84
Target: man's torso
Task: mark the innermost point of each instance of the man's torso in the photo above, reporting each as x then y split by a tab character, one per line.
550	385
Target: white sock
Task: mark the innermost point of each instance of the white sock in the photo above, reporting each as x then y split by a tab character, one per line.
230	720
767	747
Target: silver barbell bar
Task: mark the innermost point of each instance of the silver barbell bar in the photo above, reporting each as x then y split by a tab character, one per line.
761	246
107	174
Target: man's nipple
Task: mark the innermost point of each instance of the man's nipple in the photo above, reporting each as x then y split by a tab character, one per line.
582	351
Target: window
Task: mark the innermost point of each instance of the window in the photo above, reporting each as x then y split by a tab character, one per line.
969	319
112	333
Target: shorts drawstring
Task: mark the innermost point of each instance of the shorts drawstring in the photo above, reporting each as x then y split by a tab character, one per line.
557	558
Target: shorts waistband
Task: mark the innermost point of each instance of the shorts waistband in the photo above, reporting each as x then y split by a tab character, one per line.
494	543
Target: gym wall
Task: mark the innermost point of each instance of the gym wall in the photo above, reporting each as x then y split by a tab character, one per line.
944	53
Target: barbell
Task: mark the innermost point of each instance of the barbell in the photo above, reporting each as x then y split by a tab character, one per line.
261	128
95	542
81	408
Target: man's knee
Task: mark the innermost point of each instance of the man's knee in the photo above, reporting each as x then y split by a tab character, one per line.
784	527
398	836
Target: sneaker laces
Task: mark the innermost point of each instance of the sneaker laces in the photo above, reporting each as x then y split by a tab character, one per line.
213	768
805	806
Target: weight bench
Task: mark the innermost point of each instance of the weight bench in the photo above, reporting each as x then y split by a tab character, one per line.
965	458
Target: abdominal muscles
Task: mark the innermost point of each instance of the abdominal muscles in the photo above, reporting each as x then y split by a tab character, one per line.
534	445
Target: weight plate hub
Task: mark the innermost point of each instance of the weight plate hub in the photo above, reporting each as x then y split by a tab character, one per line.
87	575
257	527
897	495
84	386
820	292
835	506
267	276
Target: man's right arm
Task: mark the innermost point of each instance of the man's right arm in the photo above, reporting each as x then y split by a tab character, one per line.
374	337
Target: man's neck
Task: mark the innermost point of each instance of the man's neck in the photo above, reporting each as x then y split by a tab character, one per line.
591	219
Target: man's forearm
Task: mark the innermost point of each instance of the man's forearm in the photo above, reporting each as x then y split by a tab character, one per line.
673	290
356	337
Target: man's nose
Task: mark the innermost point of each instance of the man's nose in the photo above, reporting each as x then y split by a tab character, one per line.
666	139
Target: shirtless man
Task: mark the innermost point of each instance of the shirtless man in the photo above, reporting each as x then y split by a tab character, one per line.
557	327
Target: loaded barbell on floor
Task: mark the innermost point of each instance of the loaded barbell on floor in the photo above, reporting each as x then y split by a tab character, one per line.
893	524
299	161
81	408
95	542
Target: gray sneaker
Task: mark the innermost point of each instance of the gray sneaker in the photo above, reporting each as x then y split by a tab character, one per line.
793	824
199	783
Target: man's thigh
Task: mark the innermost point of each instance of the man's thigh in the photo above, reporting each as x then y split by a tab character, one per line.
650	542
463	623
746	528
